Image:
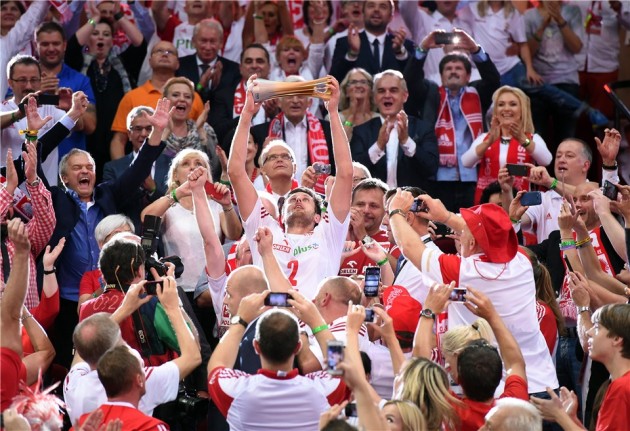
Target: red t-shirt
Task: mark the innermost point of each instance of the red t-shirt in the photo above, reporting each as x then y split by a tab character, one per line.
132	418
472	414
355	264
12	370
615	412
90	282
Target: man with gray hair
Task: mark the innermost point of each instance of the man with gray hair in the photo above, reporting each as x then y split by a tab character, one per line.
398	149
512	414
154	186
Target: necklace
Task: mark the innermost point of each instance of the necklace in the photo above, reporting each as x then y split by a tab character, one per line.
489	278
505	141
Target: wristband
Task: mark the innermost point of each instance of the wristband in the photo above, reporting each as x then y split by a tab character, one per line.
563	25
29	135
226	182
568	242
383	262
256	16
582	309
23	318
583	243
92	22
199	87
348	123
554	184
174	195
52	271
526	143
331	31
319	329
610	167
118	16
13	118
397	211
514	221
568	247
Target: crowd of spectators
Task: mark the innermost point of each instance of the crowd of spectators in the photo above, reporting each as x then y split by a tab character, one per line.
418	247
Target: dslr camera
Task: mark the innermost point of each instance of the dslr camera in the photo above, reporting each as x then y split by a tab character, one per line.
149	243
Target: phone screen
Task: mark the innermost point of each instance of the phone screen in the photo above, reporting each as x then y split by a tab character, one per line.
531	199
517	170
610	190
457	295
372	279
334	356
369	315
278	299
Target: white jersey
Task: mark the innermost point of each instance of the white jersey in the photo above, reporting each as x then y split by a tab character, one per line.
217	293
338	330
182	39
417	283
84	393
512	290
305	259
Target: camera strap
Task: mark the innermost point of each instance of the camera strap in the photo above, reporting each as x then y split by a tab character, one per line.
141	335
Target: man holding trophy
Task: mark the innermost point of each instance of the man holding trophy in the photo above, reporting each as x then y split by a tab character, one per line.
309	246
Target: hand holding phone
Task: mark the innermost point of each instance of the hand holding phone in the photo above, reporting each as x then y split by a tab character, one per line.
278	299
322	168
372	280
517	170
531	199
212	191
334	357
610	190
442	38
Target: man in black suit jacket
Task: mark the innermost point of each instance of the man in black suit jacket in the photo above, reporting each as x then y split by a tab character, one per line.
358	49
211	73
410	140
154	186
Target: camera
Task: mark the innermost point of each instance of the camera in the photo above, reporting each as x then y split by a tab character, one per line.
149	243
322	168
186	407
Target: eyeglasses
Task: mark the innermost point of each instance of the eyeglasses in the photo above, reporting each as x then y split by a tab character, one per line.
164	51
358	82
274	157
139	129
358	179
23	81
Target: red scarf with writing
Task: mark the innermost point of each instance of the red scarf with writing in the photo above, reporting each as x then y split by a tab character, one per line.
489	165
470	106
315	139
239	100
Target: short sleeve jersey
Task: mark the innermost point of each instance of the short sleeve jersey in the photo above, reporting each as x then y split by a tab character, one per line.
305	259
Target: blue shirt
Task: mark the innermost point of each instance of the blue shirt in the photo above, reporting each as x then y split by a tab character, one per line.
68	77
81	250
463	141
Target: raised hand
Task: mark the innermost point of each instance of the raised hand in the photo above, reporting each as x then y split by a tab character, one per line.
250	106
201	120
80	104
224	191
383	133
516	209
506	181
479	304
578	284
264	239
438	297
30	162
609	147
49	83
402	125
567	217
217	71
18	235
197	178
398	40
161	115
34	121
65	98
50	256
12	177
354	40
465	41
332	105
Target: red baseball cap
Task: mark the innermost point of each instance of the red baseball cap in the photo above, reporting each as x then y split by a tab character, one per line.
492	229
403	309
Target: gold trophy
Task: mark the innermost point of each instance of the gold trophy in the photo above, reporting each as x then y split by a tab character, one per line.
266	89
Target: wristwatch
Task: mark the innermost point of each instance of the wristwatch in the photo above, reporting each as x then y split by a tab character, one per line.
582	309
397	211
34	183
526	143
428	313
235	320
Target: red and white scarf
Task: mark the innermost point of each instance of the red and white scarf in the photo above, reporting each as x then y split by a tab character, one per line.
239	100
470	106
489	165
315	139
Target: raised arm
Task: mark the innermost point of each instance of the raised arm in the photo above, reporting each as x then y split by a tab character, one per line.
424	340
246	194
190	356
278	281
340	196
44	352
215	258
15	289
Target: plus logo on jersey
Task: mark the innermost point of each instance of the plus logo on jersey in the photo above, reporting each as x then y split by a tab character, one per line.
299	250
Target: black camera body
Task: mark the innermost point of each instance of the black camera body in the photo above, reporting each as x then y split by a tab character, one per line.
149	243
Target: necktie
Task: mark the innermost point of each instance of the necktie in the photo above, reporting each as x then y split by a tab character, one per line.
377	54
203	67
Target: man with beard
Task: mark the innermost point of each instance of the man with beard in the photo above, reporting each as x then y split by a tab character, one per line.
374	49
309	248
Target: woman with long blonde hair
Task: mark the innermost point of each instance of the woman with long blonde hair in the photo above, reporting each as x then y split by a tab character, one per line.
402	415
511	139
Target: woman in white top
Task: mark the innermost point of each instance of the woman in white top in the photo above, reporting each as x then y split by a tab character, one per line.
180	233
511	139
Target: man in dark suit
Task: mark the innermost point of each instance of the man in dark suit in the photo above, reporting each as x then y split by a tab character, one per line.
79	206
154	186
398	149
297	129
373	49
456	109
210	72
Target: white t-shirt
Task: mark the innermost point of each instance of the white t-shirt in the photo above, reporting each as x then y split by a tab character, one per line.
11	138
217	293
541	154
417	283
83	391
512	290
273	400
182	39
181	237
338	330
305	259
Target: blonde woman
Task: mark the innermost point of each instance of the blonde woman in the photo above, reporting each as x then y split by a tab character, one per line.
403	415
425	384
511	139
356	103
180	233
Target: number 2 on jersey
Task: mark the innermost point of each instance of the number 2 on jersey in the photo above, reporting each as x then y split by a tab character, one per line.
293	266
